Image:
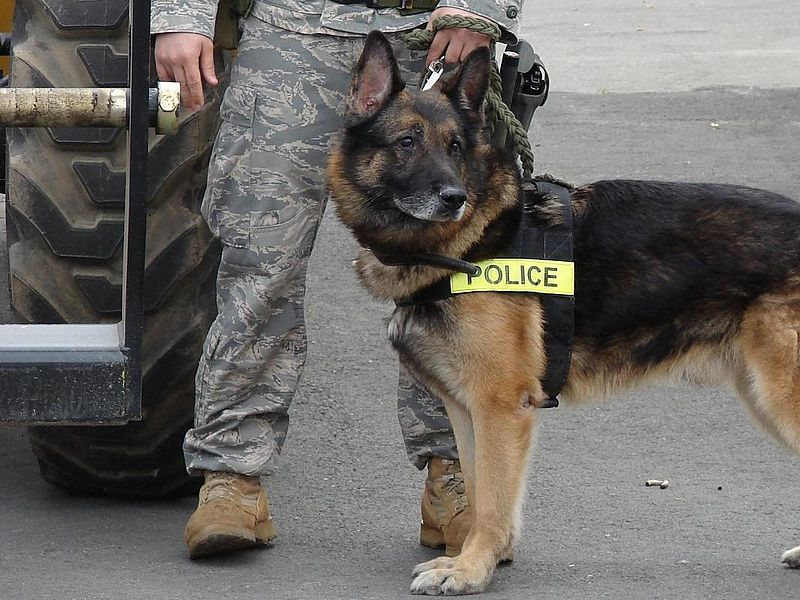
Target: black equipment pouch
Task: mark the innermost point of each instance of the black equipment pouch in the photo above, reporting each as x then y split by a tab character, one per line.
525	85
242	8
406	7
226	27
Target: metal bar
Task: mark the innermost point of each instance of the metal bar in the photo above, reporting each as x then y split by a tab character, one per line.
87	107
136	199
58	338
50	107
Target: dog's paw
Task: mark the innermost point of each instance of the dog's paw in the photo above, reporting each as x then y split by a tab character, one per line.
792	558
442	562
448	580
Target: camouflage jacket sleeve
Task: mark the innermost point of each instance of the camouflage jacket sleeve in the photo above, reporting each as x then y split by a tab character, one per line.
191	16
506	13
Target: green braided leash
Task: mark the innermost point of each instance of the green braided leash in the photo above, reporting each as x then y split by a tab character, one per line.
498	111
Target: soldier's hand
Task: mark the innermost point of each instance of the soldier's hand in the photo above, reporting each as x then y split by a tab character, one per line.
454	44
187	58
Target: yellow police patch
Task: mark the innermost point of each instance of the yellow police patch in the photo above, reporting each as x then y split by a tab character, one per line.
518	275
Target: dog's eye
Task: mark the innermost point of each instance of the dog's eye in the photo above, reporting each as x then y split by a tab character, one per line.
455	146
406	143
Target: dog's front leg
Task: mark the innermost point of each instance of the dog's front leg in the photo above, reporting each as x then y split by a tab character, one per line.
461	421
502	432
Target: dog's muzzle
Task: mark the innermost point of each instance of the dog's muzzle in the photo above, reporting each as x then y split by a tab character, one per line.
446	204
453	199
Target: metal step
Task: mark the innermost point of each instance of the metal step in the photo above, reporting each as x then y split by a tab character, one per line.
65	374
90	374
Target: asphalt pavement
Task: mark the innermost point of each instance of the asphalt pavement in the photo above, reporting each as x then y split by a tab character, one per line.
706	90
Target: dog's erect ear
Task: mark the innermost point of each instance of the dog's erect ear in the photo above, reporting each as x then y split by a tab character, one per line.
377	78
468	88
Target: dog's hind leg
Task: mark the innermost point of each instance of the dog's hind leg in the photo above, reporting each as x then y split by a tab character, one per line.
769	338
503	434
770	342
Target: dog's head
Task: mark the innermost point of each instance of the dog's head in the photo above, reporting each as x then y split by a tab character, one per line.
409	163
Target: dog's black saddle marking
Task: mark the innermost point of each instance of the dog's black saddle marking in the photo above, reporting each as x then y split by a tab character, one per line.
553	242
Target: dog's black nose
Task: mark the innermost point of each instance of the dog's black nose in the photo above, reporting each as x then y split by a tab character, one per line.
453	197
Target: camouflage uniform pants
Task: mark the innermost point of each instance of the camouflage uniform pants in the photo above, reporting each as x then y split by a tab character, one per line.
265	199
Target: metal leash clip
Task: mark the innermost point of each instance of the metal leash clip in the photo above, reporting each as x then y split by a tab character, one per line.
435	70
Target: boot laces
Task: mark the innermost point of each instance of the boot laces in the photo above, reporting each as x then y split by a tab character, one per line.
219	487
453	484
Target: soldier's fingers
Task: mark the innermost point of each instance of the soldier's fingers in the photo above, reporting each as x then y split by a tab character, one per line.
438	46
191	87
164	72
207	63
472	41
454	51
194	83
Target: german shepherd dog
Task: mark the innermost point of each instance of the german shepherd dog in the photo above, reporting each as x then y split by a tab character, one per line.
695	280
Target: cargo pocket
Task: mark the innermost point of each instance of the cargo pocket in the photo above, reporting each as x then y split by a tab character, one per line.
290	149
287	168
283	250
228	201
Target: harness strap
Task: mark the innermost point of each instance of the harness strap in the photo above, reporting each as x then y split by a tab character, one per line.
559	311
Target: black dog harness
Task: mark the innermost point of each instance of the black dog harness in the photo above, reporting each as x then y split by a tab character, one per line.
536	261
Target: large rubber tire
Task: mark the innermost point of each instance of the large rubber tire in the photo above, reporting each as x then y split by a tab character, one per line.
65	208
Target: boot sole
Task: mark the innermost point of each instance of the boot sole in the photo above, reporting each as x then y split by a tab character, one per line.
219	540
212	541
265	532
430	537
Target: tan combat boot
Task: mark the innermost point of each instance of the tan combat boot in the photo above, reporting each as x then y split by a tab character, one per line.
232	513
446	515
